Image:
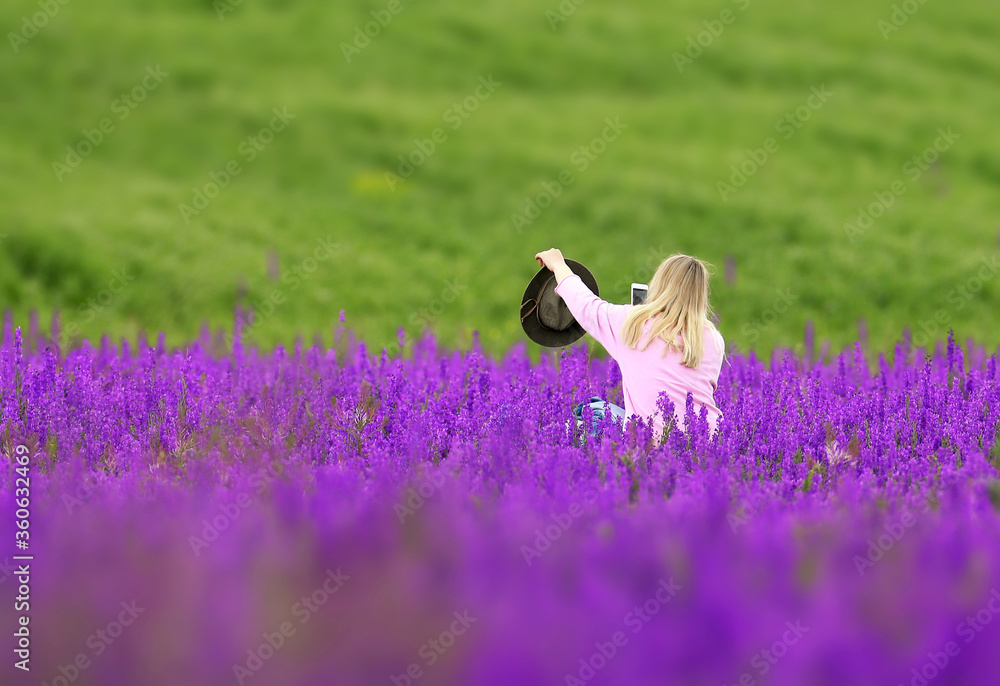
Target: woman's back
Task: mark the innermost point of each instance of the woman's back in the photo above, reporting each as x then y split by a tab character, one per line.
647	373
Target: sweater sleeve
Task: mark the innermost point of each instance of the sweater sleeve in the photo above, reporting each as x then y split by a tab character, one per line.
599	318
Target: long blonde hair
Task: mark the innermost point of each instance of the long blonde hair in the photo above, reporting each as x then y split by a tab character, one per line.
677	302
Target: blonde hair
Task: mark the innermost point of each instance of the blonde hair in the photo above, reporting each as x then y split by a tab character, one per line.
677	302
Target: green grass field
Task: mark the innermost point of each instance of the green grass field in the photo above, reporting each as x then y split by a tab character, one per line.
441	246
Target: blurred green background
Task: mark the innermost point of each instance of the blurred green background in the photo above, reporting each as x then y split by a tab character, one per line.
121	239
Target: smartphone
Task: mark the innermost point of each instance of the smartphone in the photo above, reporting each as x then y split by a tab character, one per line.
639	291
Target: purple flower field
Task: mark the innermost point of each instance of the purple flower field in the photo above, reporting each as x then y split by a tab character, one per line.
332	516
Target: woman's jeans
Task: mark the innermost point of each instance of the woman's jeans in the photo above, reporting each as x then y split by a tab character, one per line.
601	409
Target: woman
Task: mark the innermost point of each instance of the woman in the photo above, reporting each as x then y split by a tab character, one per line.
667	344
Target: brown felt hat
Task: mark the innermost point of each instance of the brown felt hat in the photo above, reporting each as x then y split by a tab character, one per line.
545	316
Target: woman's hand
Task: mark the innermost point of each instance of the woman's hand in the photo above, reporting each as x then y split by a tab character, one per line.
551	258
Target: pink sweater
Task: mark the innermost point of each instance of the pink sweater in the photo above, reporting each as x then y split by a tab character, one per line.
645	373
